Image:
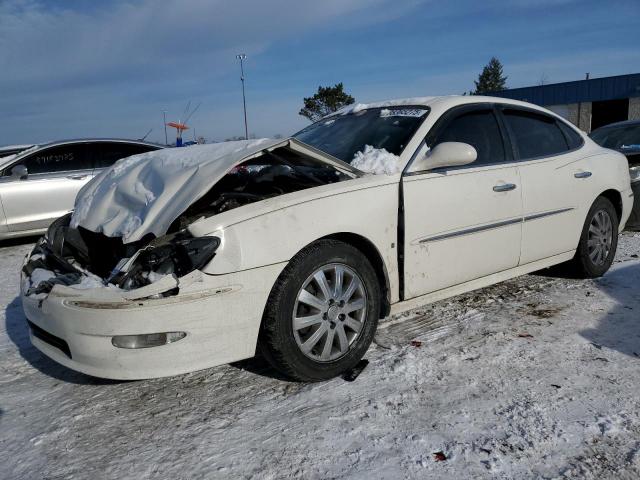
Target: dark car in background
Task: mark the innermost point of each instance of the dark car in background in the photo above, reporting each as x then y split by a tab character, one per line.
625	138
39	183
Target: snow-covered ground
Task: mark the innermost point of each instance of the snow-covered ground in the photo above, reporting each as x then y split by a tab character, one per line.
538	377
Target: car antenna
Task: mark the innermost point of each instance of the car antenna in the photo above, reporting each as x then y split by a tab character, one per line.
146	135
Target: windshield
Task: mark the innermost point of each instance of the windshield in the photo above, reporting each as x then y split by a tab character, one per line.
343	136
623	138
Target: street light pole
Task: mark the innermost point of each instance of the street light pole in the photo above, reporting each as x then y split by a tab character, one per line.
164	121
242	57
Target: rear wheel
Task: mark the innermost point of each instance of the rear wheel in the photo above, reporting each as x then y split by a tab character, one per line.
599	240
322	312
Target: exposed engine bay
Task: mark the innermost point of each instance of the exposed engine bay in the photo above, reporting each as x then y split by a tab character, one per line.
80	258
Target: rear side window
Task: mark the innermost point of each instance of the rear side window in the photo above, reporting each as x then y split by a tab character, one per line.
480	129
57	159
105	154
573	138
536	135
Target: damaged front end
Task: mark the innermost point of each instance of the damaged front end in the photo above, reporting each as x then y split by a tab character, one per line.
80	259
130	226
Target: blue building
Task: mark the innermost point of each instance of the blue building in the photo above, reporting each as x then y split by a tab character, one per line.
589	103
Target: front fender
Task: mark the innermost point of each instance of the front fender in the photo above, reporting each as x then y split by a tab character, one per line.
276	236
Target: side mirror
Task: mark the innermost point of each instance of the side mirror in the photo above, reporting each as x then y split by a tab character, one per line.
445	154
19	171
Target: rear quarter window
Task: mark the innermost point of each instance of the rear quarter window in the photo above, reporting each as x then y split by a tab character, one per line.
574	140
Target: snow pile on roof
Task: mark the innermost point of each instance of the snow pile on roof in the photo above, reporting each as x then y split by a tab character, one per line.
377	161
358	107
144	193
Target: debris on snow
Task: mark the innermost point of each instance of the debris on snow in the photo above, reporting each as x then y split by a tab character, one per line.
439	457
352	374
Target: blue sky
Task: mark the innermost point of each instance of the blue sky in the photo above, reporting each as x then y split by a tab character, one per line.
75	68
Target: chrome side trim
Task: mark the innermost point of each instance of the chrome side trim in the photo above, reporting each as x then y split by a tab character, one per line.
491	226
469	231
536	216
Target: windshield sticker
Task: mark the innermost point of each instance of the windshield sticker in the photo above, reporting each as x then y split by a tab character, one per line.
402	112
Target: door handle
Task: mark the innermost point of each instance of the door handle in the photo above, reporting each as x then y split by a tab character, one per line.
77	177
582	174
505	187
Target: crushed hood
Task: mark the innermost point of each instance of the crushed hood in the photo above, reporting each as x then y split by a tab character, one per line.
145	193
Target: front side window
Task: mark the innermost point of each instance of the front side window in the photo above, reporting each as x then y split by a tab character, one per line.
480	129
57	159
345	135
536	135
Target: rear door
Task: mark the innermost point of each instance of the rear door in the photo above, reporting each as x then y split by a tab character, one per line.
555	182
55	175
462	223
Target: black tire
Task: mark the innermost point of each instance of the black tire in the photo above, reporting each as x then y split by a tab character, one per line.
277	341
583	265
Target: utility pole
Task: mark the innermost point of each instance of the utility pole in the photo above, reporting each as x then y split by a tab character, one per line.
243	57
164	122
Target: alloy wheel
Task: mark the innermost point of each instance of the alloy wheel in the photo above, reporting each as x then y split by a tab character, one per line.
329	312
600	237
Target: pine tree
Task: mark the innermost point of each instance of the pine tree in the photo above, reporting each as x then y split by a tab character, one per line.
327	100
491	79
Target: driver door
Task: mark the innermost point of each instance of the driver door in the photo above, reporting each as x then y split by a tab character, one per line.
462	223
54	177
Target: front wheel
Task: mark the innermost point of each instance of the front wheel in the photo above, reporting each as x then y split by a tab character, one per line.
322	312
599	240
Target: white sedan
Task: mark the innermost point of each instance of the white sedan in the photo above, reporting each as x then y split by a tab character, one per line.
184	259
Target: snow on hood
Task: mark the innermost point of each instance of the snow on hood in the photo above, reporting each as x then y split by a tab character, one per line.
145	193
377	161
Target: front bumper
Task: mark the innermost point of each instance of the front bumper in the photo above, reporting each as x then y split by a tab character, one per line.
220	314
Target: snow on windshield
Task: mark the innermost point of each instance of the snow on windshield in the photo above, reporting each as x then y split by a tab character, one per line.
377	161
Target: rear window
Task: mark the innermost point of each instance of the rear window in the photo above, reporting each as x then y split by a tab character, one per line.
536	135
625	138
105	154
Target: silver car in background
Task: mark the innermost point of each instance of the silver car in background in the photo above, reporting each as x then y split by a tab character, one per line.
39	183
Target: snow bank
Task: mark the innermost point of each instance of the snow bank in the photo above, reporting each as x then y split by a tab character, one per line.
144	193
377	161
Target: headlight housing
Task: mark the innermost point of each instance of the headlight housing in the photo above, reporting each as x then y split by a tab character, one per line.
634	173
177	255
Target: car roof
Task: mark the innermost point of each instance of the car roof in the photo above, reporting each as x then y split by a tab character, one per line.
87	140
33	146
624	123
9	154
442	100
